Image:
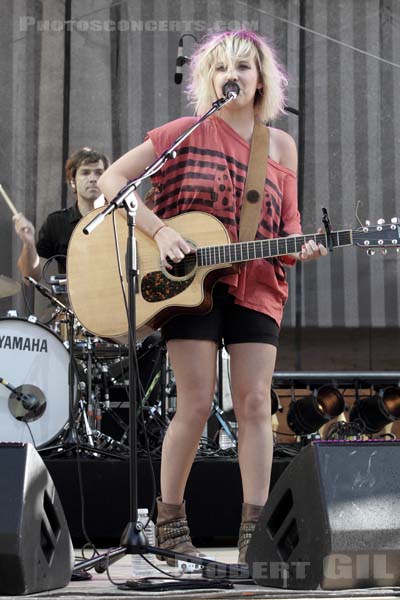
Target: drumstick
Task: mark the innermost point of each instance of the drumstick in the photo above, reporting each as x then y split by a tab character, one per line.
8	200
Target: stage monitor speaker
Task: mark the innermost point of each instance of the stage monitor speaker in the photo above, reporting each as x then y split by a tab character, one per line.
36	552
332	520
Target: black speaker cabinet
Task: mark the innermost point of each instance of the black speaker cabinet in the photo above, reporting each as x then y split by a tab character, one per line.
332	520
36	552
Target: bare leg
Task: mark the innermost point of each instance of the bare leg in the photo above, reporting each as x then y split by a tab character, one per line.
252	367
194	365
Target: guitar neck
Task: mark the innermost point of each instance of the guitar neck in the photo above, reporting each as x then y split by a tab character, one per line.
243	251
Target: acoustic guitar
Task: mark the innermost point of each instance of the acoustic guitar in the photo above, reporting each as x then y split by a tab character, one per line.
95	286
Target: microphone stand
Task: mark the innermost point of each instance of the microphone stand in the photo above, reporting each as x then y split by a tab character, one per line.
133	540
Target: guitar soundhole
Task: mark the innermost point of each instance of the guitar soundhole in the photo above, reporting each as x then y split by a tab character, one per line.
168	283
183	268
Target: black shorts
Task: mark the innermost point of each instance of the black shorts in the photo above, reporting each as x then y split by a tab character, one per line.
226	323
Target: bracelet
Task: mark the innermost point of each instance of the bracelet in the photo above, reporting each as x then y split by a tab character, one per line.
157	230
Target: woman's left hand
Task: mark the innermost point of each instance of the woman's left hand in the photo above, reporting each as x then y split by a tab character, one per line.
311	250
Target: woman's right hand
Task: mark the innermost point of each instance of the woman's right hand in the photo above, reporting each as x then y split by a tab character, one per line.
171	245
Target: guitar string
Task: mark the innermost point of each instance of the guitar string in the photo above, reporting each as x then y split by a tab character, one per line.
237	252
259	248
255	249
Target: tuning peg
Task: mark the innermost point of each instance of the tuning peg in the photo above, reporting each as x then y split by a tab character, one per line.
370	251
381	221
368	223
384	251
395	220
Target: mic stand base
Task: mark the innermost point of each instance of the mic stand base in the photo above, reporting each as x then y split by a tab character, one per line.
70	440
83	449
136	544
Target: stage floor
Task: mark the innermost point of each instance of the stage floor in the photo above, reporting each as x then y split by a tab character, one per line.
101	587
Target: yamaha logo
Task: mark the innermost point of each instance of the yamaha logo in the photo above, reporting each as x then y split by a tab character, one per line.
26	344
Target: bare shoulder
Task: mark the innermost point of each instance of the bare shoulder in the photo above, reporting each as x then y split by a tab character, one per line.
283	148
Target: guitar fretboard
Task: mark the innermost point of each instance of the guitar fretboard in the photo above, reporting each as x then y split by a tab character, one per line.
242	251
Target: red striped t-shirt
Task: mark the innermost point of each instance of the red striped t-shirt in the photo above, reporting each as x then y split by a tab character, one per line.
209	174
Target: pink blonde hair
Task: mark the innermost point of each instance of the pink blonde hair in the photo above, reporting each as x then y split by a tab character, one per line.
269	102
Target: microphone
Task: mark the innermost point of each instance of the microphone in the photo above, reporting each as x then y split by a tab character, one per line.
45	292
28	401
42	289
231	89
179	62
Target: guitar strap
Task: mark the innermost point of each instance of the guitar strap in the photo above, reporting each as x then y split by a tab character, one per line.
253	195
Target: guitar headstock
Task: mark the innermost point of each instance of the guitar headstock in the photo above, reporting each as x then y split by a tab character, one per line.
382	235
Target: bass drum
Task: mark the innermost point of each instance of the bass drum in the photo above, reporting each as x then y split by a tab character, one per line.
33	361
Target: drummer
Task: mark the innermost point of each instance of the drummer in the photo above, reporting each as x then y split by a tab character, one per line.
82	169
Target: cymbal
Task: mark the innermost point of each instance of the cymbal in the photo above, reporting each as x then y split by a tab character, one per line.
8	287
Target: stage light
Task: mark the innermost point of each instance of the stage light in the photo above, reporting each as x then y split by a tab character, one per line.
308	414
376	411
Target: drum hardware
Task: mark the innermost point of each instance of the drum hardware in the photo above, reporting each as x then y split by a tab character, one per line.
102	349
96	387
105	388
105	442
163	382
90	398
98	370
226	426
169	392
58	284
94	356
120	423
59	323
218	426
88	429
227	432
84	350
155	419
151	408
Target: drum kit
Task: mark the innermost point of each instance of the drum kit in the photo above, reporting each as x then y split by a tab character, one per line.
36	392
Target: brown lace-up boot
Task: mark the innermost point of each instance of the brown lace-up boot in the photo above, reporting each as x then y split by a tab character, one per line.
172	530
250	515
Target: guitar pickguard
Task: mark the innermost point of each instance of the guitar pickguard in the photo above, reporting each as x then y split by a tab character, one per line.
156	287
